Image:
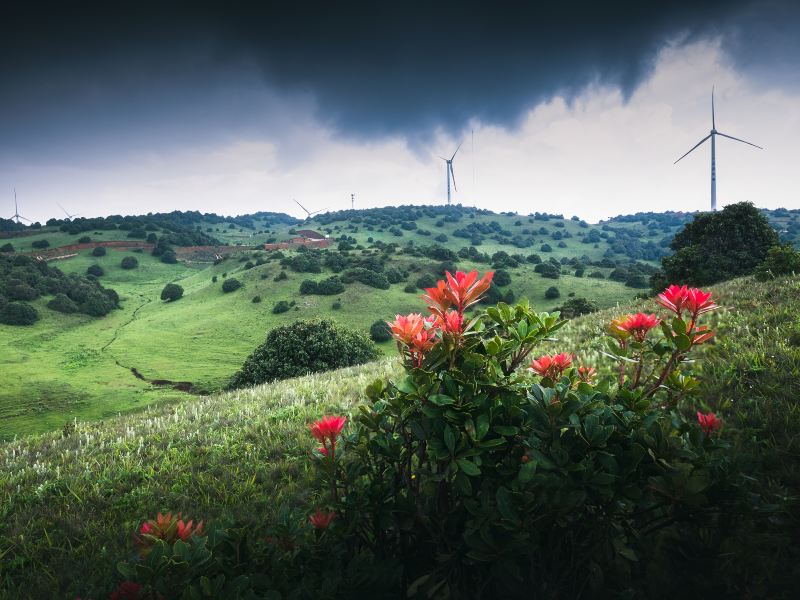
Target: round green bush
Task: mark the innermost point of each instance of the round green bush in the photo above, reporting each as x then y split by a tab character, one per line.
281	306
63	304
95	270
129	262
8	247
502	278
304	347
18	313
256	299
84	240
231	285
380	331
41	244
21	291
425	281
552	293
99	251
168	257
171	292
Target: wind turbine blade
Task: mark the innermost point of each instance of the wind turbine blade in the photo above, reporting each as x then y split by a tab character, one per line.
713	122
693	147
24	219
457	149
301	206
730	137
69	216
452	173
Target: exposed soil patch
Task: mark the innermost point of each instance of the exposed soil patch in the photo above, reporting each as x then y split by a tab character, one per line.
181	386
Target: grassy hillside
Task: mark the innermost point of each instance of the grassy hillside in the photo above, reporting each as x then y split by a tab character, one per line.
74	366
69	498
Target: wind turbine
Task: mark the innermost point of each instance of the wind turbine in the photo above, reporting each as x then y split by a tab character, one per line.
713	134
16	214
307	211
69	216
448	171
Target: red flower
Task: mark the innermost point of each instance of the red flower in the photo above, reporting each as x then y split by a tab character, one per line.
701	334
421	344
708	423
552	366
698	302
461	291
326	430
674	298
321	520
127	590
185	531
587	374
637	325
451	322
169	528
404	328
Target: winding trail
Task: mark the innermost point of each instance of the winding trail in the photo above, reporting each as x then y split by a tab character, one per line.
181	386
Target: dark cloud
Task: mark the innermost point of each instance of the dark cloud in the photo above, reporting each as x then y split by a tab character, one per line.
373	68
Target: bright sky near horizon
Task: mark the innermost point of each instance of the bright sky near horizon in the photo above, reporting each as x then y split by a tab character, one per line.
600	150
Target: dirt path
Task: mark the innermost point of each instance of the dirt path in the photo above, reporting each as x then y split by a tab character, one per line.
181	386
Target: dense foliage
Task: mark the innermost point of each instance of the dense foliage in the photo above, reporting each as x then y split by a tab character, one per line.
231	285
304	347
171	292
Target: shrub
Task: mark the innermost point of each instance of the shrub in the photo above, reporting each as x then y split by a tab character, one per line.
129	262
280	276
169	257
214	279
548	270
171	292
575	307
552	292
367	277
781	260
304	347
63	304
546	248
22	292
597	275
18	313
379	331
95	271
502	278
40	244
8	247
256	299
579	272
410	288
425	281
337	305
231	285
281	306
394	275
99	251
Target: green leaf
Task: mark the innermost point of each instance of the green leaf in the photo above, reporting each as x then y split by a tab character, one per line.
441	399
407	385
527	471
504	504
468	467
506	429
482	426
679	326
449	438
683	342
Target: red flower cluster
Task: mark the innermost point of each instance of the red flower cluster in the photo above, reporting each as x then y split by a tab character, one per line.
461	291
326	430
708	423
587	374
552	366
169	528
417	333
321	520
682	298
637	325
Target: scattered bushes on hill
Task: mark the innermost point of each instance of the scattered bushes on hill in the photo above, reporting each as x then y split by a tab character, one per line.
575	307
367	277
548	270
18	313
326	287
425	281
379	331
231	285
129	262
95	271
394	275
41	244
502	278
171	292
304	347
552	292
280	276
99	251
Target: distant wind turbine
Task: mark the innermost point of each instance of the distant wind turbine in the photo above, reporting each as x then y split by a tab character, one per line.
16	214
713	135
310	214
448	171
69	216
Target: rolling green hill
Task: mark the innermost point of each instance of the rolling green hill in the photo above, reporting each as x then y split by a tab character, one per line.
69	498
75	366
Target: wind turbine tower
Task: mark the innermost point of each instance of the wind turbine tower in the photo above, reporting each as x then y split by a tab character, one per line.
713	135
352	201
448	171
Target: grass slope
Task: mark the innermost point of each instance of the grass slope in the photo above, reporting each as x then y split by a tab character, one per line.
68	500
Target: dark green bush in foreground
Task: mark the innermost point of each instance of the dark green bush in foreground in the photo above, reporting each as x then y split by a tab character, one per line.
171	292
129	262
231	285
18	313
301	348
379	331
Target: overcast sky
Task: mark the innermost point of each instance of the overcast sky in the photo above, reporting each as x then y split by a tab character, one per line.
581	110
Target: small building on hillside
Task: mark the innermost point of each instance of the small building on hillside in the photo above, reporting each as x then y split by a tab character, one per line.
305	237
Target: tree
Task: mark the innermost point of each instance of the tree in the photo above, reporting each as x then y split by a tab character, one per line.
63	304
781	260
168	257
379	331
172	292
9	247
41	244
95	270
231	285
304	347
99	251
129	262
281	306
502	278
18	313
717	246
574	307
